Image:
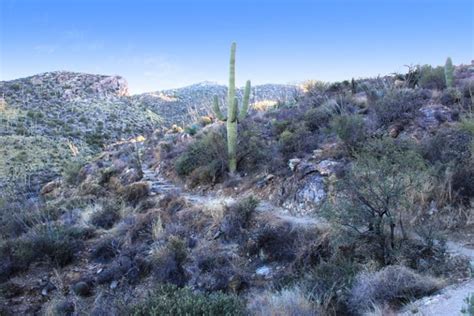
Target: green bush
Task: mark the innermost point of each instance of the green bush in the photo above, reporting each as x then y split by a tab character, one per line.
56	243
208	152
107	216
253	152
71	171
297	141
448	146
168	261
173	301
374	194
316	118
397	104
350	129
432	78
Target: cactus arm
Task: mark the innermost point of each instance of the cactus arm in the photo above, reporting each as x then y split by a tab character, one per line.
245	103
217	109
233	110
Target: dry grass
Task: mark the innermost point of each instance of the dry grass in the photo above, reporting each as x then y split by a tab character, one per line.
391	285
288	302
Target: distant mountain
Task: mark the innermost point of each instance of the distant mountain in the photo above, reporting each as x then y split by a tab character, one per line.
184	105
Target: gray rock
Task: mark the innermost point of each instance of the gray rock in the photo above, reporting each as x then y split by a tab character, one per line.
293	163
264	271
432	115
312	192
327	167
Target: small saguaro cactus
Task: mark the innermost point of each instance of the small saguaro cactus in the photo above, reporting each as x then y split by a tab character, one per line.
449	73
233	113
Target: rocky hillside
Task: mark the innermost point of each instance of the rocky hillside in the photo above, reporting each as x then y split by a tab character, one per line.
353	198
52	118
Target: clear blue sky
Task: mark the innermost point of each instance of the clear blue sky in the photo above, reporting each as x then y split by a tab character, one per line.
164	44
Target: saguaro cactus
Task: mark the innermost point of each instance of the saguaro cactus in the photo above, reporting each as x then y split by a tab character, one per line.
449	73
233	113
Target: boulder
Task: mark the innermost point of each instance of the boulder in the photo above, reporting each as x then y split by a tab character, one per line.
293	163
327	167
313	192
432	115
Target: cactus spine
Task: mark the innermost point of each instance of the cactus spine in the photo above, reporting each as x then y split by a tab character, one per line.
233	113
449	73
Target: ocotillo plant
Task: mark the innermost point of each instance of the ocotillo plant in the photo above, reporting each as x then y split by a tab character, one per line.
233	113
449	72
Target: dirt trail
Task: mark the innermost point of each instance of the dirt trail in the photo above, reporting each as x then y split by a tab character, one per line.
446	302
160	185
449	300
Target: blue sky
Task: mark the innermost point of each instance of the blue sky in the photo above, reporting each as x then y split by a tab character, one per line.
171	43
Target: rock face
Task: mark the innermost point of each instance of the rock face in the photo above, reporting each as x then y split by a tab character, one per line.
306	188
432	115
312	192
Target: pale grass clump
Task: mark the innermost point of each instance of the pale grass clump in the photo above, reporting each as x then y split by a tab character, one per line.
157	228
215	209
264	105
391	285
287	302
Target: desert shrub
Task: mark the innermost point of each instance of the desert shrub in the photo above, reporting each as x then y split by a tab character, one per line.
297	141
375	192
207	154
316	118
328	283
253	152
171	300
449	152
468	308
391	285
218	268
106	249
275	241
106	216
451	96
448	146
237	216
463	181
136	191
292	302
168	261
57	243
397	104
350	129
432	78
18	214
314	87
71	171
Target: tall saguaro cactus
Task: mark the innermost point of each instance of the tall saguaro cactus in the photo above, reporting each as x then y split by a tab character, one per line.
449	73
233	113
